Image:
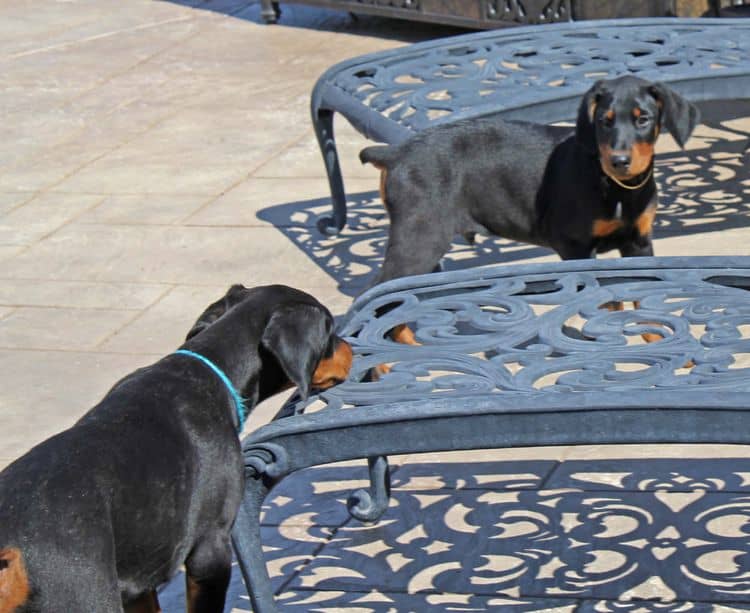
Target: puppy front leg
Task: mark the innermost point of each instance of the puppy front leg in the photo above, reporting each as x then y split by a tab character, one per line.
569	250
641	246
208	570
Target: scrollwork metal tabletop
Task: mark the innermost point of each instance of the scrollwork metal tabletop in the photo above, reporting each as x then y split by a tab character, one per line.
520	356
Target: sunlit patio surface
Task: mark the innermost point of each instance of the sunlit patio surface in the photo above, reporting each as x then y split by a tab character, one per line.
153	153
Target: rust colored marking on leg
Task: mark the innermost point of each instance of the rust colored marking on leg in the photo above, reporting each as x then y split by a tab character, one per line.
193	590
14	582
379	371
404	335
145	603
605	227
335	369
645	221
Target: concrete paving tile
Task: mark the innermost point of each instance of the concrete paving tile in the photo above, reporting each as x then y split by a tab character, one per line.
79	295
232	136
41	216
46	391
167	254
40	168
626	452
10	200
241	205
162	327
155	177
142	209
8	251
54	24
59	328
303	159
91	60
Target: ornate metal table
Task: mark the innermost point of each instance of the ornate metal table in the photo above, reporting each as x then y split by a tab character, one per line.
514	356
534	73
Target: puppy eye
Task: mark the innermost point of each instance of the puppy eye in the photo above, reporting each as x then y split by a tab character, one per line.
607	121
642	121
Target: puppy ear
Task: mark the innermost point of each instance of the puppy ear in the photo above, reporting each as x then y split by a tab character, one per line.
585	131
234	295
678	115
297	335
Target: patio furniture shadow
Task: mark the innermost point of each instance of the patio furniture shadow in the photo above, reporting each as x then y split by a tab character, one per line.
522	536
703	189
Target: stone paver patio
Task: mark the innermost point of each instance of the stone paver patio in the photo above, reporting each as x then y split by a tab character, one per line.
151	155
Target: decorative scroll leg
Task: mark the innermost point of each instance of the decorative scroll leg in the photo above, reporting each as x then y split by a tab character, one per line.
369	505
269	11
265	465
248	547
323	123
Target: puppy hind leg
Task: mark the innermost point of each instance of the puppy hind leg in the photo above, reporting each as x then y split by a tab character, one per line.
208	571
146	603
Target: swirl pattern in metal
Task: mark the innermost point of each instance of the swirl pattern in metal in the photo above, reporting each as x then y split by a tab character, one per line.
494	72
547	331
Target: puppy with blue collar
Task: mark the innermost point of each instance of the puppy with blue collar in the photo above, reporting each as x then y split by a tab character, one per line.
97	517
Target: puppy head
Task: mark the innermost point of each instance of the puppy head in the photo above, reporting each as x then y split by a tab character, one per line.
300	337
620	119
297	345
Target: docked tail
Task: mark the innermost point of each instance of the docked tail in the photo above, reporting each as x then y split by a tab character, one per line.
379	156
14	583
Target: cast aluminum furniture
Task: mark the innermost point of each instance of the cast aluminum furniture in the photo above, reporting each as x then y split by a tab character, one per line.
532	73
515	356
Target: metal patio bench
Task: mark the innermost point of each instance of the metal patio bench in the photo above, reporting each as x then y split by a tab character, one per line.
515	356
534	73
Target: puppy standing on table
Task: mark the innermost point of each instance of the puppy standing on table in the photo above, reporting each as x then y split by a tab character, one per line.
579	193
94	519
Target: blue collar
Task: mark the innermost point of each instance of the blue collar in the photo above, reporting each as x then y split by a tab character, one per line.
238	402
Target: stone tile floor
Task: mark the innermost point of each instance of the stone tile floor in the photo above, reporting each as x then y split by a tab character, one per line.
154	152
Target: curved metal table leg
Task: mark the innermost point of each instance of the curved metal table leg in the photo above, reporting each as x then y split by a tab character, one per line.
368	505
269	11
265	465
323	124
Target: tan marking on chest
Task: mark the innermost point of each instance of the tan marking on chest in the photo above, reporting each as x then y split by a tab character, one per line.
14	583
605	227
645	221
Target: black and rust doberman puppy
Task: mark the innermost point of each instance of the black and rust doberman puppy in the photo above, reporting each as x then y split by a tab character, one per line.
95	518
580	193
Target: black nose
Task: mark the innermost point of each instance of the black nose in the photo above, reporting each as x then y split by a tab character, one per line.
620	160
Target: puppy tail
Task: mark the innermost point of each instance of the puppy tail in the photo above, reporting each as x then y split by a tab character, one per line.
378	155
14	583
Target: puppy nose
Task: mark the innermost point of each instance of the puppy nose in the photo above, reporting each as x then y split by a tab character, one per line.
620	160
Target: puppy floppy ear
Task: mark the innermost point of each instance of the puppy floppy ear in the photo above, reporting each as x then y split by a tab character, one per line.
297	336
585	130
234	294
677	115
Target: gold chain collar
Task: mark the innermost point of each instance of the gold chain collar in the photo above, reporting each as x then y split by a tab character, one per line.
639	186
